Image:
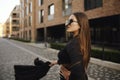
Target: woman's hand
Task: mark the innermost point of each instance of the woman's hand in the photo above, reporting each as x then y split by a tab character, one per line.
53	63
65	72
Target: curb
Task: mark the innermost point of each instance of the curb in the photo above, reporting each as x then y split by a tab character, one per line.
89	78
105	63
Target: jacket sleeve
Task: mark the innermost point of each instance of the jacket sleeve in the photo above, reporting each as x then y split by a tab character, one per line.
63	57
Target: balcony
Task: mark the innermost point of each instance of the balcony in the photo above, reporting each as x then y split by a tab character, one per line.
15	16
15	28
50	17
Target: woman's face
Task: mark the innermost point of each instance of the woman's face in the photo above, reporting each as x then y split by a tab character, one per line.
72	24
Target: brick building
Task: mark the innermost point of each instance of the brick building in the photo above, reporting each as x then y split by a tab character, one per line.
44	19
27	20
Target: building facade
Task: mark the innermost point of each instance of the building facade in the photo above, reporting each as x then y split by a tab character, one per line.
15	21
27	20
43	20
12	24
6	29
1	30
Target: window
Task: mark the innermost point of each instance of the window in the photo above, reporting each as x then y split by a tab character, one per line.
29	34
25	10
67	5
22	14
8	31
41	15
22	4
91	4
99	3
25	23
15	21
7	27
14	15
40	2
30	7
26	1
15	28
51	10
30	20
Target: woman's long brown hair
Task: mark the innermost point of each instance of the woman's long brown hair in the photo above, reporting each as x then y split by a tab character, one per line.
84	37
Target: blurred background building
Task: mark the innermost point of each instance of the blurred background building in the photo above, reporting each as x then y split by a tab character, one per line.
1	30
12	24
43	20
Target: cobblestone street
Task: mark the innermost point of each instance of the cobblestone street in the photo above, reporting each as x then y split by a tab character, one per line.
103	73
14	52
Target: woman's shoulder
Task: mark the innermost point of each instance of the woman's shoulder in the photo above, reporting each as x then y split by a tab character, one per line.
74	43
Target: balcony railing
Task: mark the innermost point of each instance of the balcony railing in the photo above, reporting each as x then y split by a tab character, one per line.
15	28
50	17
15	23
15	16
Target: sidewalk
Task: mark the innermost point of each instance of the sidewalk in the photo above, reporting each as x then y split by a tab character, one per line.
97	70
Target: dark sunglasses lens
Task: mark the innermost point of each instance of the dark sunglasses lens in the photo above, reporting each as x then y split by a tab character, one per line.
68	22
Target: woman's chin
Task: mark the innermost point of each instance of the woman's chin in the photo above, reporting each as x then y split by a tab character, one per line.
68	30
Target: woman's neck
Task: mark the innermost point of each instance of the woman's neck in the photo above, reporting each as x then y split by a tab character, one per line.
76	33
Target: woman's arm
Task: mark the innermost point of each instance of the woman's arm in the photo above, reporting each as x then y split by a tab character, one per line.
53	63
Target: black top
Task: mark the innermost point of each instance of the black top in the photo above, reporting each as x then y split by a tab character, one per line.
70	55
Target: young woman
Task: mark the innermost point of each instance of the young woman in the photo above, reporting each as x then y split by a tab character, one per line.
75	57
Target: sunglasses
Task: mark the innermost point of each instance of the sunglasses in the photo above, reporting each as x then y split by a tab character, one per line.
68	22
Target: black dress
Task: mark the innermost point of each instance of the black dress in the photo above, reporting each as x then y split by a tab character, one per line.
71	55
